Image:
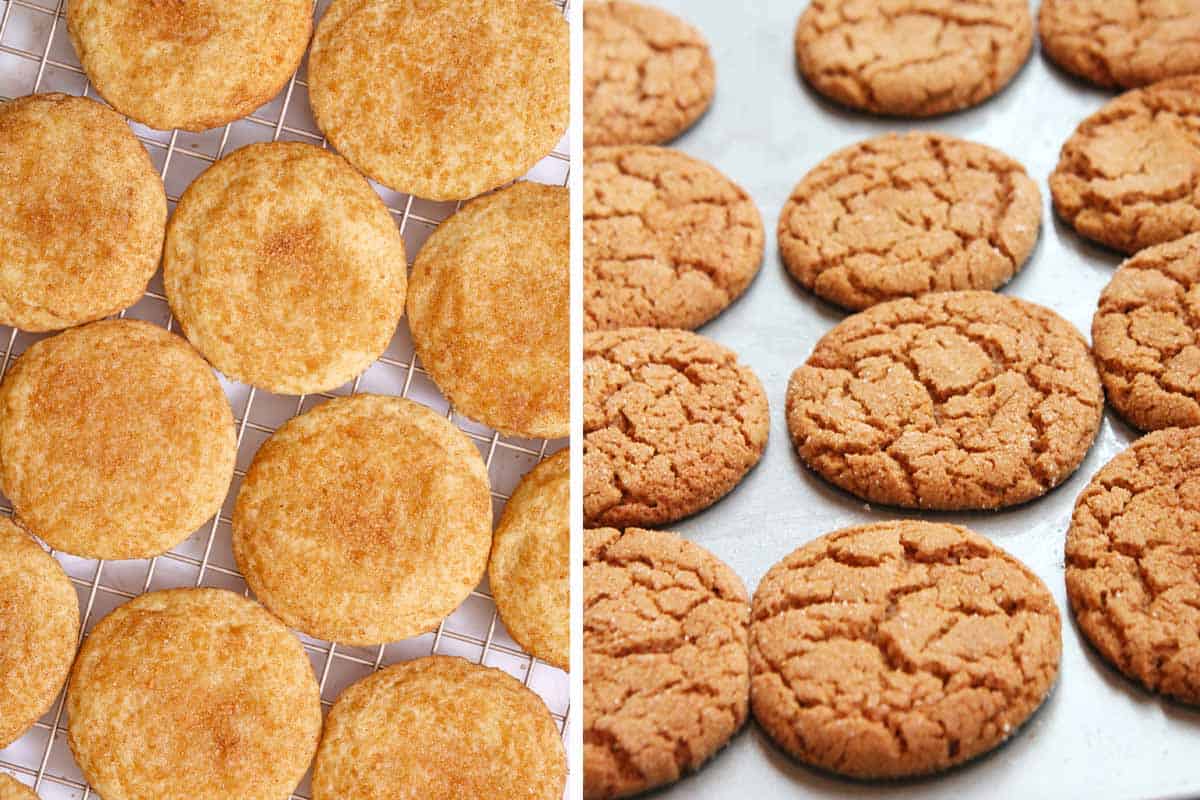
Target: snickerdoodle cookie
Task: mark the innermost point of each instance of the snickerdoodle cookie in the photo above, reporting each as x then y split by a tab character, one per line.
12	789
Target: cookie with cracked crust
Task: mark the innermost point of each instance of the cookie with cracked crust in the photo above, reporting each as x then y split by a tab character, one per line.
904	215
912	58
668	241
664	648
12	789
950	401
671	423
899	649
647	74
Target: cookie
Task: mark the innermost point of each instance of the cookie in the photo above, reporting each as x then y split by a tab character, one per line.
899	649
950	401
12	789
445	729
529	570
664	648
671	423
366	520
489	306
116	440
1127	177
285	269
192	693
39	628
912	58
190	64
84	213
1132	564
647	74
903	215
443	99
668	241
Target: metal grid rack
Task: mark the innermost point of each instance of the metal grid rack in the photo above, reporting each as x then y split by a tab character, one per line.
36	56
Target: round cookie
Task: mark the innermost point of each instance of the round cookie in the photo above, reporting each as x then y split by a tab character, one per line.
190	64
39	628
529	570
647	74
664	647
116	440
443	99
446	729
192	694
84	213
899	649
903	215
12	789
489	306
366	520
671	423
285	269
912	58
950	401
668	241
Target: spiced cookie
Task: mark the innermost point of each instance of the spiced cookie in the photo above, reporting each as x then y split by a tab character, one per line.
899	649
671	423
664	648
12	789
912	58
951	401
668	241
903	215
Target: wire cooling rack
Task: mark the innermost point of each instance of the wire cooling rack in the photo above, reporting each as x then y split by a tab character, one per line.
36	56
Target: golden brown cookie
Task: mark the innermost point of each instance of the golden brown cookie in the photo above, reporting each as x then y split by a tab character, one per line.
364	521
442	99
191	64
900	216
899	648
285	269
664	648
116	440
489	307
529	570
39	628
647	74
912	58
952	401
446	729
84	213
668	241
12	789
671	423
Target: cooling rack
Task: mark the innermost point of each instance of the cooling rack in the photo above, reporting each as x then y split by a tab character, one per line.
36	56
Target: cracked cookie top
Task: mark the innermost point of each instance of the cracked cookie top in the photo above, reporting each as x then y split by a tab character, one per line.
953	401
671	423
669	242
899	216
913	58
899	648
664	640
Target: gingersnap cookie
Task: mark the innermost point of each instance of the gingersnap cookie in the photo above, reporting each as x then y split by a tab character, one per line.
529	569
950	401
671	423
84	213
664	649
912	58
899	648
192	693
366	520
668	241
12	789
116	440
285	269
903	215
489	306
647	74
446	729
190	64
